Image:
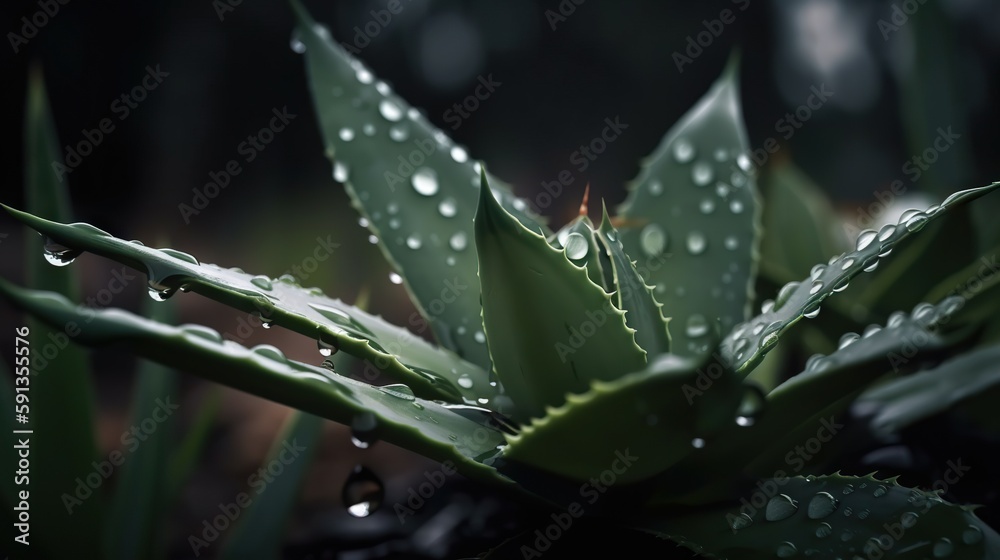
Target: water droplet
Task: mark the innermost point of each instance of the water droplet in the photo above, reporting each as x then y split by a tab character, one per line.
821	505
340	172
916	222
390	110
846	536
972	535
262	282
326	348
701	174
202	332
373	239
160	292
811	311
784	293
683	150
741	521
425	181
363	427
943	548
738	179
767	306
848	489
909	519
576	246
732	243
653	240
815	287
364	76
780	507
346	134
863	514
479	337
896	319
296	43
398	390
744	162
180	255
655	188
698	443
847	340
707	206
368	129
824	530
696	243
751	405
465	382
697	326
865	238
736	206
58	255
363	492
395	278
458	241
399	132
787	550
447	207
459	154
269	351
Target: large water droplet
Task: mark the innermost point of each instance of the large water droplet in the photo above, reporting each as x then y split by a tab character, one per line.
262	282
58	255
847	339
701	174
815	287
786	550
653	240
363	427
696	243
346	134
784	293
160	292
459	154
269	351
683	150
751	406
821	505
576	246
447	207
697	326
865	238
465	382
943	548
326	348
413	241
398	390
188	258
202	332
915	222
390	110
780	507
425	181
740	521
458	241
363	492
972	535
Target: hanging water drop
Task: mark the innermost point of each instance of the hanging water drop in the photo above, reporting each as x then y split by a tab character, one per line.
576	246
363	492
58	255
425	181
696	243
363	427
326	349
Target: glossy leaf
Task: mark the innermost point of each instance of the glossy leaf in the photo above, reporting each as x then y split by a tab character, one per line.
416	189
693	218
747	344
423	426
833	517
642	312
406	358
551	330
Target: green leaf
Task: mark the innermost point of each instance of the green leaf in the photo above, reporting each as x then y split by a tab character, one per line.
551	330
833	516
261	528
139	503
794	411
642	312
746	345
694	218
406	358
652	415
438	431
416	189
62	417
793	203
908	400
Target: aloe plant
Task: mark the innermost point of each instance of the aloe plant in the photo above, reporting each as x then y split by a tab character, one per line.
606	371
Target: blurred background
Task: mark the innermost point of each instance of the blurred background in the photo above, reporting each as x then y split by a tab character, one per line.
900	75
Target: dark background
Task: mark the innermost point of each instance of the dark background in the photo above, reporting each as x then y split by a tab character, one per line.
893	89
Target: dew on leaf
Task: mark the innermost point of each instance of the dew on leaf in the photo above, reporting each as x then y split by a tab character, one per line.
425	181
